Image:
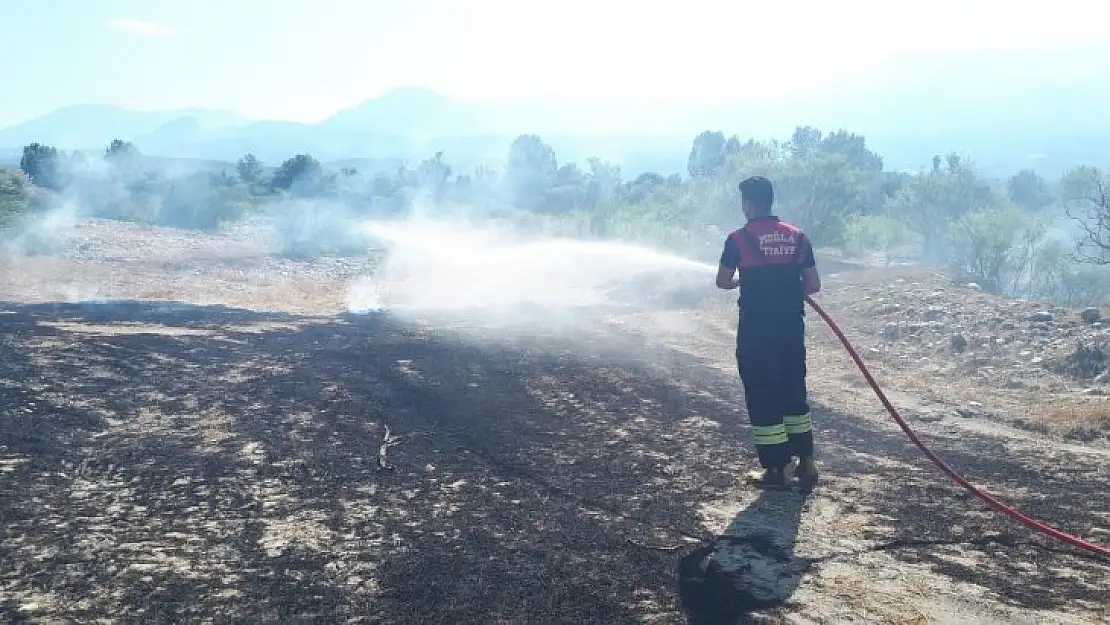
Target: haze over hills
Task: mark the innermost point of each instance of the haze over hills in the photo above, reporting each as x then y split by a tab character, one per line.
1047	111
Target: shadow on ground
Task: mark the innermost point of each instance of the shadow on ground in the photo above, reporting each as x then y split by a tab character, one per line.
752	566
161	462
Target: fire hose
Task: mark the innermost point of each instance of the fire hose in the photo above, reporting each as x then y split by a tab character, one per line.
1009	511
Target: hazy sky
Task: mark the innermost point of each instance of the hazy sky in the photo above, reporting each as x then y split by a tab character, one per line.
305	59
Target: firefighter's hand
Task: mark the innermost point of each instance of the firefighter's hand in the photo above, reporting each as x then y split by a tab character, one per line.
727	284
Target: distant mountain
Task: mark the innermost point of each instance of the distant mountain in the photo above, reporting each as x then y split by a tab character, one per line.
1048	111
87	126
408	111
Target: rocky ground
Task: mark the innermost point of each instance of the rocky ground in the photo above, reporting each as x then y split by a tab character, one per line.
1036	366
192	430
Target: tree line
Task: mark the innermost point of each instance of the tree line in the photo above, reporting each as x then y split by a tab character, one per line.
1024	235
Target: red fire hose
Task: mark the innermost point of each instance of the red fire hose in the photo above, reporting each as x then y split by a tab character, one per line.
961	480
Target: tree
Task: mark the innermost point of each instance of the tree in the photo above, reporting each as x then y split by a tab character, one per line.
604	184
932	200
644	186
866	235
805	142
249	169
529	171
119	149
18	196
301	175
1029	190
387	194
996	246
707	154
569	190
1085	192
484	183
42	165
891	182
125	157
822	192
433	175
854	149
1055	276
732	146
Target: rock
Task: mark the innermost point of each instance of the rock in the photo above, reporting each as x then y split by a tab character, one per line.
929	416
1090	315
935	312
1041	317
957	342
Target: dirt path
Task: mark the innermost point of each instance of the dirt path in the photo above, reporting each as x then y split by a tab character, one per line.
173	462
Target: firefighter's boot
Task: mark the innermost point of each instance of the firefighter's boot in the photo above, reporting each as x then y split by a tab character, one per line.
774	477
806	472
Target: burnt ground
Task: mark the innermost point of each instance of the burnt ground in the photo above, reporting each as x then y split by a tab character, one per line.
173	462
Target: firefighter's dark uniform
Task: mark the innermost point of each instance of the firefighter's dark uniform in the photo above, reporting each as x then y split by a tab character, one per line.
770	339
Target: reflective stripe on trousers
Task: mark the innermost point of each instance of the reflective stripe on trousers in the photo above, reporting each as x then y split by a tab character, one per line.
798	424
770	434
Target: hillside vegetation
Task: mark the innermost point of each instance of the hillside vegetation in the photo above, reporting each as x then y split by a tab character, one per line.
1022	236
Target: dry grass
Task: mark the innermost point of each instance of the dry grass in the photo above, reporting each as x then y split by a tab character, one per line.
1075	416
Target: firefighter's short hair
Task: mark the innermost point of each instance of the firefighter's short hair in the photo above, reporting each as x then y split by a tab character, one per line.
759	192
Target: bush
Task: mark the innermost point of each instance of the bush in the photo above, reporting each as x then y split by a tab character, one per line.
869	235
19	197
1055	276
995	245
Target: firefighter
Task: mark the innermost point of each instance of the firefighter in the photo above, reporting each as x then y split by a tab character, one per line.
777	270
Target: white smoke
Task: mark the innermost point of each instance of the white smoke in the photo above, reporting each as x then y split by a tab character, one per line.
500	274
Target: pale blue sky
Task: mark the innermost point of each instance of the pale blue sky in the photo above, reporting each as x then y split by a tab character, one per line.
304	59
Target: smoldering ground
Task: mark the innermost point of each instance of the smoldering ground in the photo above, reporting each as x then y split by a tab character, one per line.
498	277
